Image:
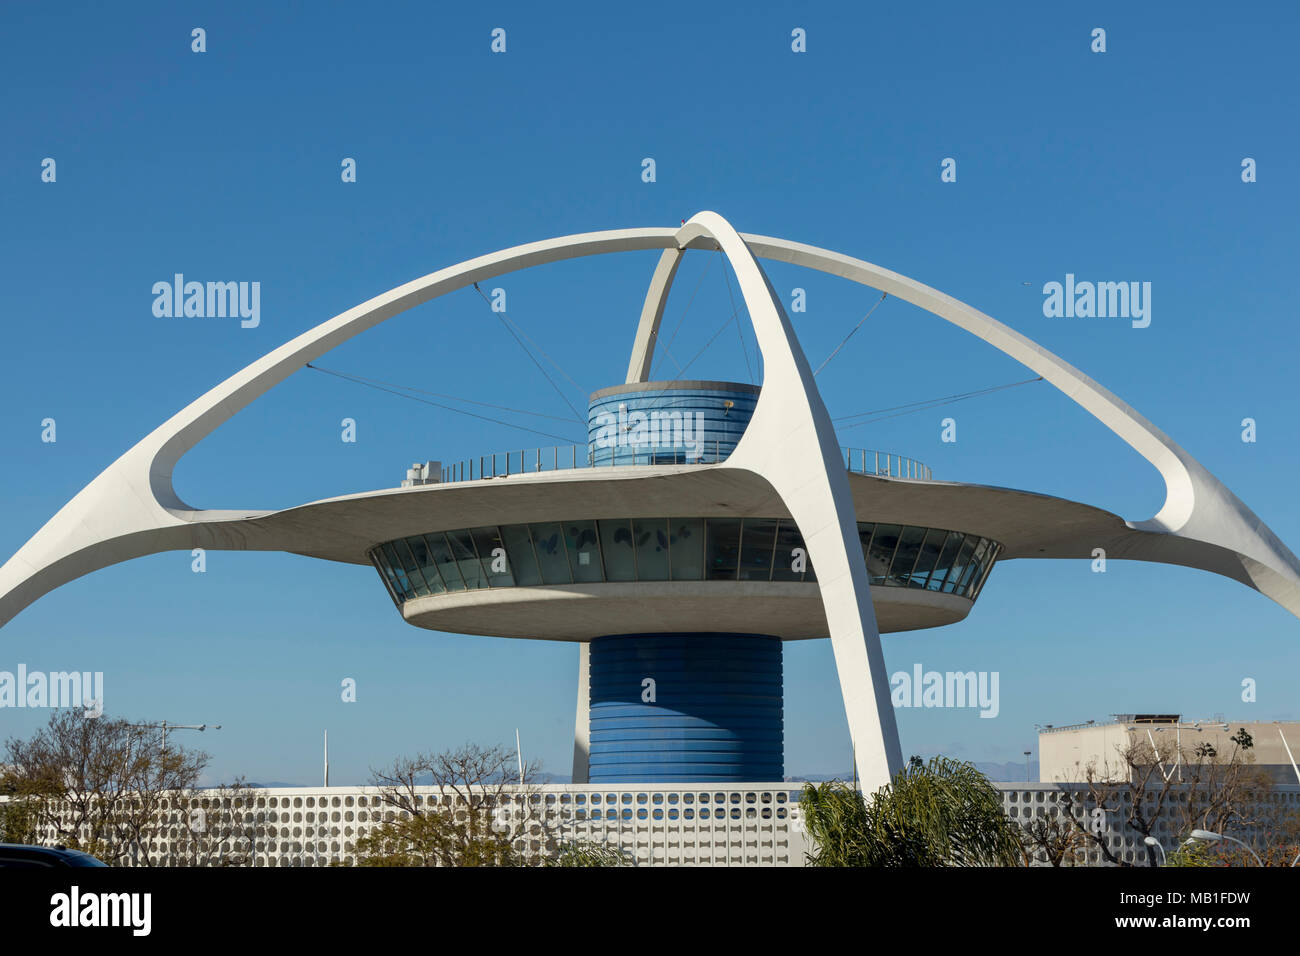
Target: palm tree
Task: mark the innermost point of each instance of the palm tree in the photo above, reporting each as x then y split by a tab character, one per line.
944	813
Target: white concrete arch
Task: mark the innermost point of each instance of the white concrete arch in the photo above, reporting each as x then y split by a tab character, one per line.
131	508
790	443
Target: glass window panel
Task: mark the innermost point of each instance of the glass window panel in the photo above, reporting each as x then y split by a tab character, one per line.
548	536
584	550
385	569
788	539
990	556
929	556
486	542
909	546
686	541
519	545
866	530
471	569
403	551
959	565
757	537
651	536
446	562
972	567
616	545
881	552
951	545
424	561
723	548
399	574
984	561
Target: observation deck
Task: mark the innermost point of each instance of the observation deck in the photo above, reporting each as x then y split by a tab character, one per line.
527	461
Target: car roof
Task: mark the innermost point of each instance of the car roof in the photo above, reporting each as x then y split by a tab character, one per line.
55	851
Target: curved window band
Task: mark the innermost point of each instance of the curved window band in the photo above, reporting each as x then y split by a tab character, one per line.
670	549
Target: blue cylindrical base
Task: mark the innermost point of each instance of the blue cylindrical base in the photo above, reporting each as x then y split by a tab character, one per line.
682	708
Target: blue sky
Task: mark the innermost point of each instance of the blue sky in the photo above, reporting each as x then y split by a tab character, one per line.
225	165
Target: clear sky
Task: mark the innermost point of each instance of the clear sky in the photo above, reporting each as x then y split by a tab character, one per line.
225	165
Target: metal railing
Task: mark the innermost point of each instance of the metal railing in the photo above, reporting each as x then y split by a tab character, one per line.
862	461
871	462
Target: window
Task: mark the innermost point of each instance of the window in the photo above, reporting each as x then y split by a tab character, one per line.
959	566
389	576
403	583
427	566
686	548
723	548
973	567
471	569
758	536
519	545
549	539
492	553
928	557
783	556
909	546
584	550
678	549
441	551
941	569
616	544
651	536
881	553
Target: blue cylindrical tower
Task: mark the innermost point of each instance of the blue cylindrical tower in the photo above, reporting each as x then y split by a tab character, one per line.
682	708
666	422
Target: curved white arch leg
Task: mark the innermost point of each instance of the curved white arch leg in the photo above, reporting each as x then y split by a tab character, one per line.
652	313
790	442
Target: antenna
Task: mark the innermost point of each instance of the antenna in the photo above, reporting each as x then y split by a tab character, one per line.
327	758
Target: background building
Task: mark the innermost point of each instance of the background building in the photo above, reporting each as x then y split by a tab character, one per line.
1066	752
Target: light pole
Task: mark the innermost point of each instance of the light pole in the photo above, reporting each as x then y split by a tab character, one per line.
164	725
1208	836
1152	841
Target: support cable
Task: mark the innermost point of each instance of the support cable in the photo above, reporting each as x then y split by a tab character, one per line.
455	398
850	335
911	407
509	326
425	401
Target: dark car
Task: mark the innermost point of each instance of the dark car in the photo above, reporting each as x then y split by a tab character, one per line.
17	856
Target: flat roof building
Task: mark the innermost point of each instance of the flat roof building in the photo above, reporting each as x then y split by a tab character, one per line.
1065	753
